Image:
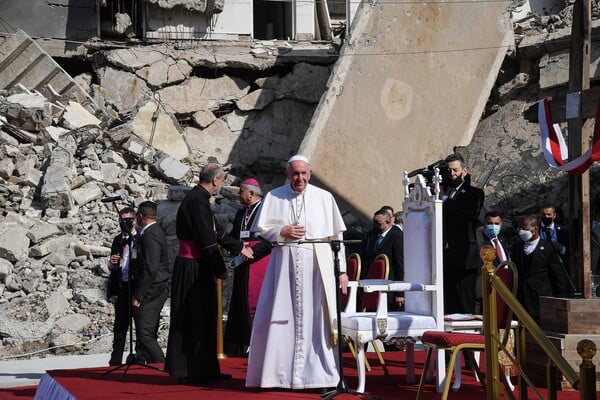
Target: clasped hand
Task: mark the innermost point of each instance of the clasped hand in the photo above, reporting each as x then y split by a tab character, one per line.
293	231
247	253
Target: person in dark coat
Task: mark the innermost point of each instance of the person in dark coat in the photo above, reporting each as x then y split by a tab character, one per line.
247	276
541	271
151	274
385	239
489	235
192	345
462	204
554	232
118	284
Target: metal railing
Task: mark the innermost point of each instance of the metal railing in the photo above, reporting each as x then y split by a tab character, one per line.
493	285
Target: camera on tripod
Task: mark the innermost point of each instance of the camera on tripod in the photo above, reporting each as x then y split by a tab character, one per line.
428	172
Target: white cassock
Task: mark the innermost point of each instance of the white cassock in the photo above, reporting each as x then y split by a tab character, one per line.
295	322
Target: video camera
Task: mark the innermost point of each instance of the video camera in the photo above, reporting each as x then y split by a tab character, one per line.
429	172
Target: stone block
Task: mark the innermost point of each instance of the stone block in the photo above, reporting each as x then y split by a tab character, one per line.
90	250
42	232
14	243
32	177
87	193
112	157
160	130
6	167
76	116
6	268
57	303
173	170
73	322
59	244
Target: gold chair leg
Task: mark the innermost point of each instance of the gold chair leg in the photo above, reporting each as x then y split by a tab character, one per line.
449	372
424	373
381	360
353	351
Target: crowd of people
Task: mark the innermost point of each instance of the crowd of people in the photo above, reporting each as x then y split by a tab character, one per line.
282	313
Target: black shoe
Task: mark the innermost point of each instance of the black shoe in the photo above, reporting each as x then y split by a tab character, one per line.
114	363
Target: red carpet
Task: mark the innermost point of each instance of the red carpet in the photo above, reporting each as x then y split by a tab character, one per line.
140	382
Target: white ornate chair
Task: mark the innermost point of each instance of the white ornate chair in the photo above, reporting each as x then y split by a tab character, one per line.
423	287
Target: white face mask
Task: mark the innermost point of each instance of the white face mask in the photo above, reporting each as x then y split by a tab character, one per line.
525	235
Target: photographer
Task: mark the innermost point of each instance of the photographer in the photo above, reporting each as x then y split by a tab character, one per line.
151	286
118	264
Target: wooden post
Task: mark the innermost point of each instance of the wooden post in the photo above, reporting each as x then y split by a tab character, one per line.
578	139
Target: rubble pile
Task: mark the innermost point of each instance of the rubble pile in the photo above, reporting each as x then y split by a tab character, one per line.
159	113
155	124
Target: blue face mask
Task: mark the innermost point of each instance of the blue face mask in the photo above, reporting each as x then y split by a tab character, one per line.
492	230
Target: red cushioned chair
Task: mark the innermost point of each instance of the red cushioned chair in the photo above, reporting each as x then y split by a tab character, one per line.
455	342
353	266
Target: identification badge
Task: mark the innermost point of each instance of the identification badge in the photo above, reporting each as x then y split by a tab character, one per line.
244	234
134	254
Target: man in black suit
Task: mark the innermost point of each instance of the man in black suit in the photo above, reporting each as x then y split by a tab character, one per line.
385	240
151	274
192	346
541	272
118	284
461	207
554	232
489	235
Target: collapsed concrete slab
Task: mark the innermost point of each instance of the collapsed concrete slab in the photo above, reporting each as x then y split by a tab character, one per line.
410	84
160	130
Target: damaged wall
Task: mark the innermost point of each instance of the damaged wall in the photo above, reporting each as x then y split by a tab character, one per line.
51	18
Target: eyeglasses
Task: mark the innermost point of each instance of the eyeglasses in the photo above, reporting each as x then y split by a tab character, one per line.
128	219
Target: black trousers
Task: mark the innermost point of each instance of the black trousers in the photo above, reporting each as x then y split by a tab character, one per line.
459	291
121	324
146	318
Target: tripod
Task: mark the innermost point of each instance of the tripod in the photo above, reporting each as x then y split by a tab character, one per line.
130	360
341	387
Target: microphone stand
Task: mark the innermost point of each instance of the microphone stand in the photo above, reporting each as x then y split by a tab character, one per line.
342	387
130	360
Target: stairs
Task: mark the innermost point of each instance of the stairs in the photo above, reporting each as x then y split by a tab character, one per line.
26	66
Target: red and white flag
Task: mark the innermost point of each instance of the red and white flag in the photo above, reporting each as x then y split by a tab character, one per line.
554	146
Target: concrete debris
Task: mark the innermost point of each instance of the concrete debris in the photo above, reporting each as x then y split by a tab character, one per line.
160	113
75	116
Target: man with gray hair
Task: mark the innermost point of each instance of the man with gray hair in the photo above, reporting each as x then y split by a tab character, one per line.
294	336
192	346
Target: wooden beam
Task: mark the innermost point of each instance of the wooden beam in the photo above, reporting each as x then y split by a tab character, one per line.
558	106
578	129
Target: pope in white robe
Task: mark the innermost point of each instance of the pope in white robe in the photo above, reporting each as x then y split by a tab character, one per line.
294	335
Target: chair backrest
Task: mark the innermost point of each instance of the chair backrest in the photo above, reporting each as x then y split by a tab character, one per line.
507	272
423	248
417	261
353	265
379	269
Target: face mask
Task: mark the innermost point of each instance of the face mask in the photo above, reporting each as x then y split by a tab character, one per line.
525	235
492	230
546	221
126	224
